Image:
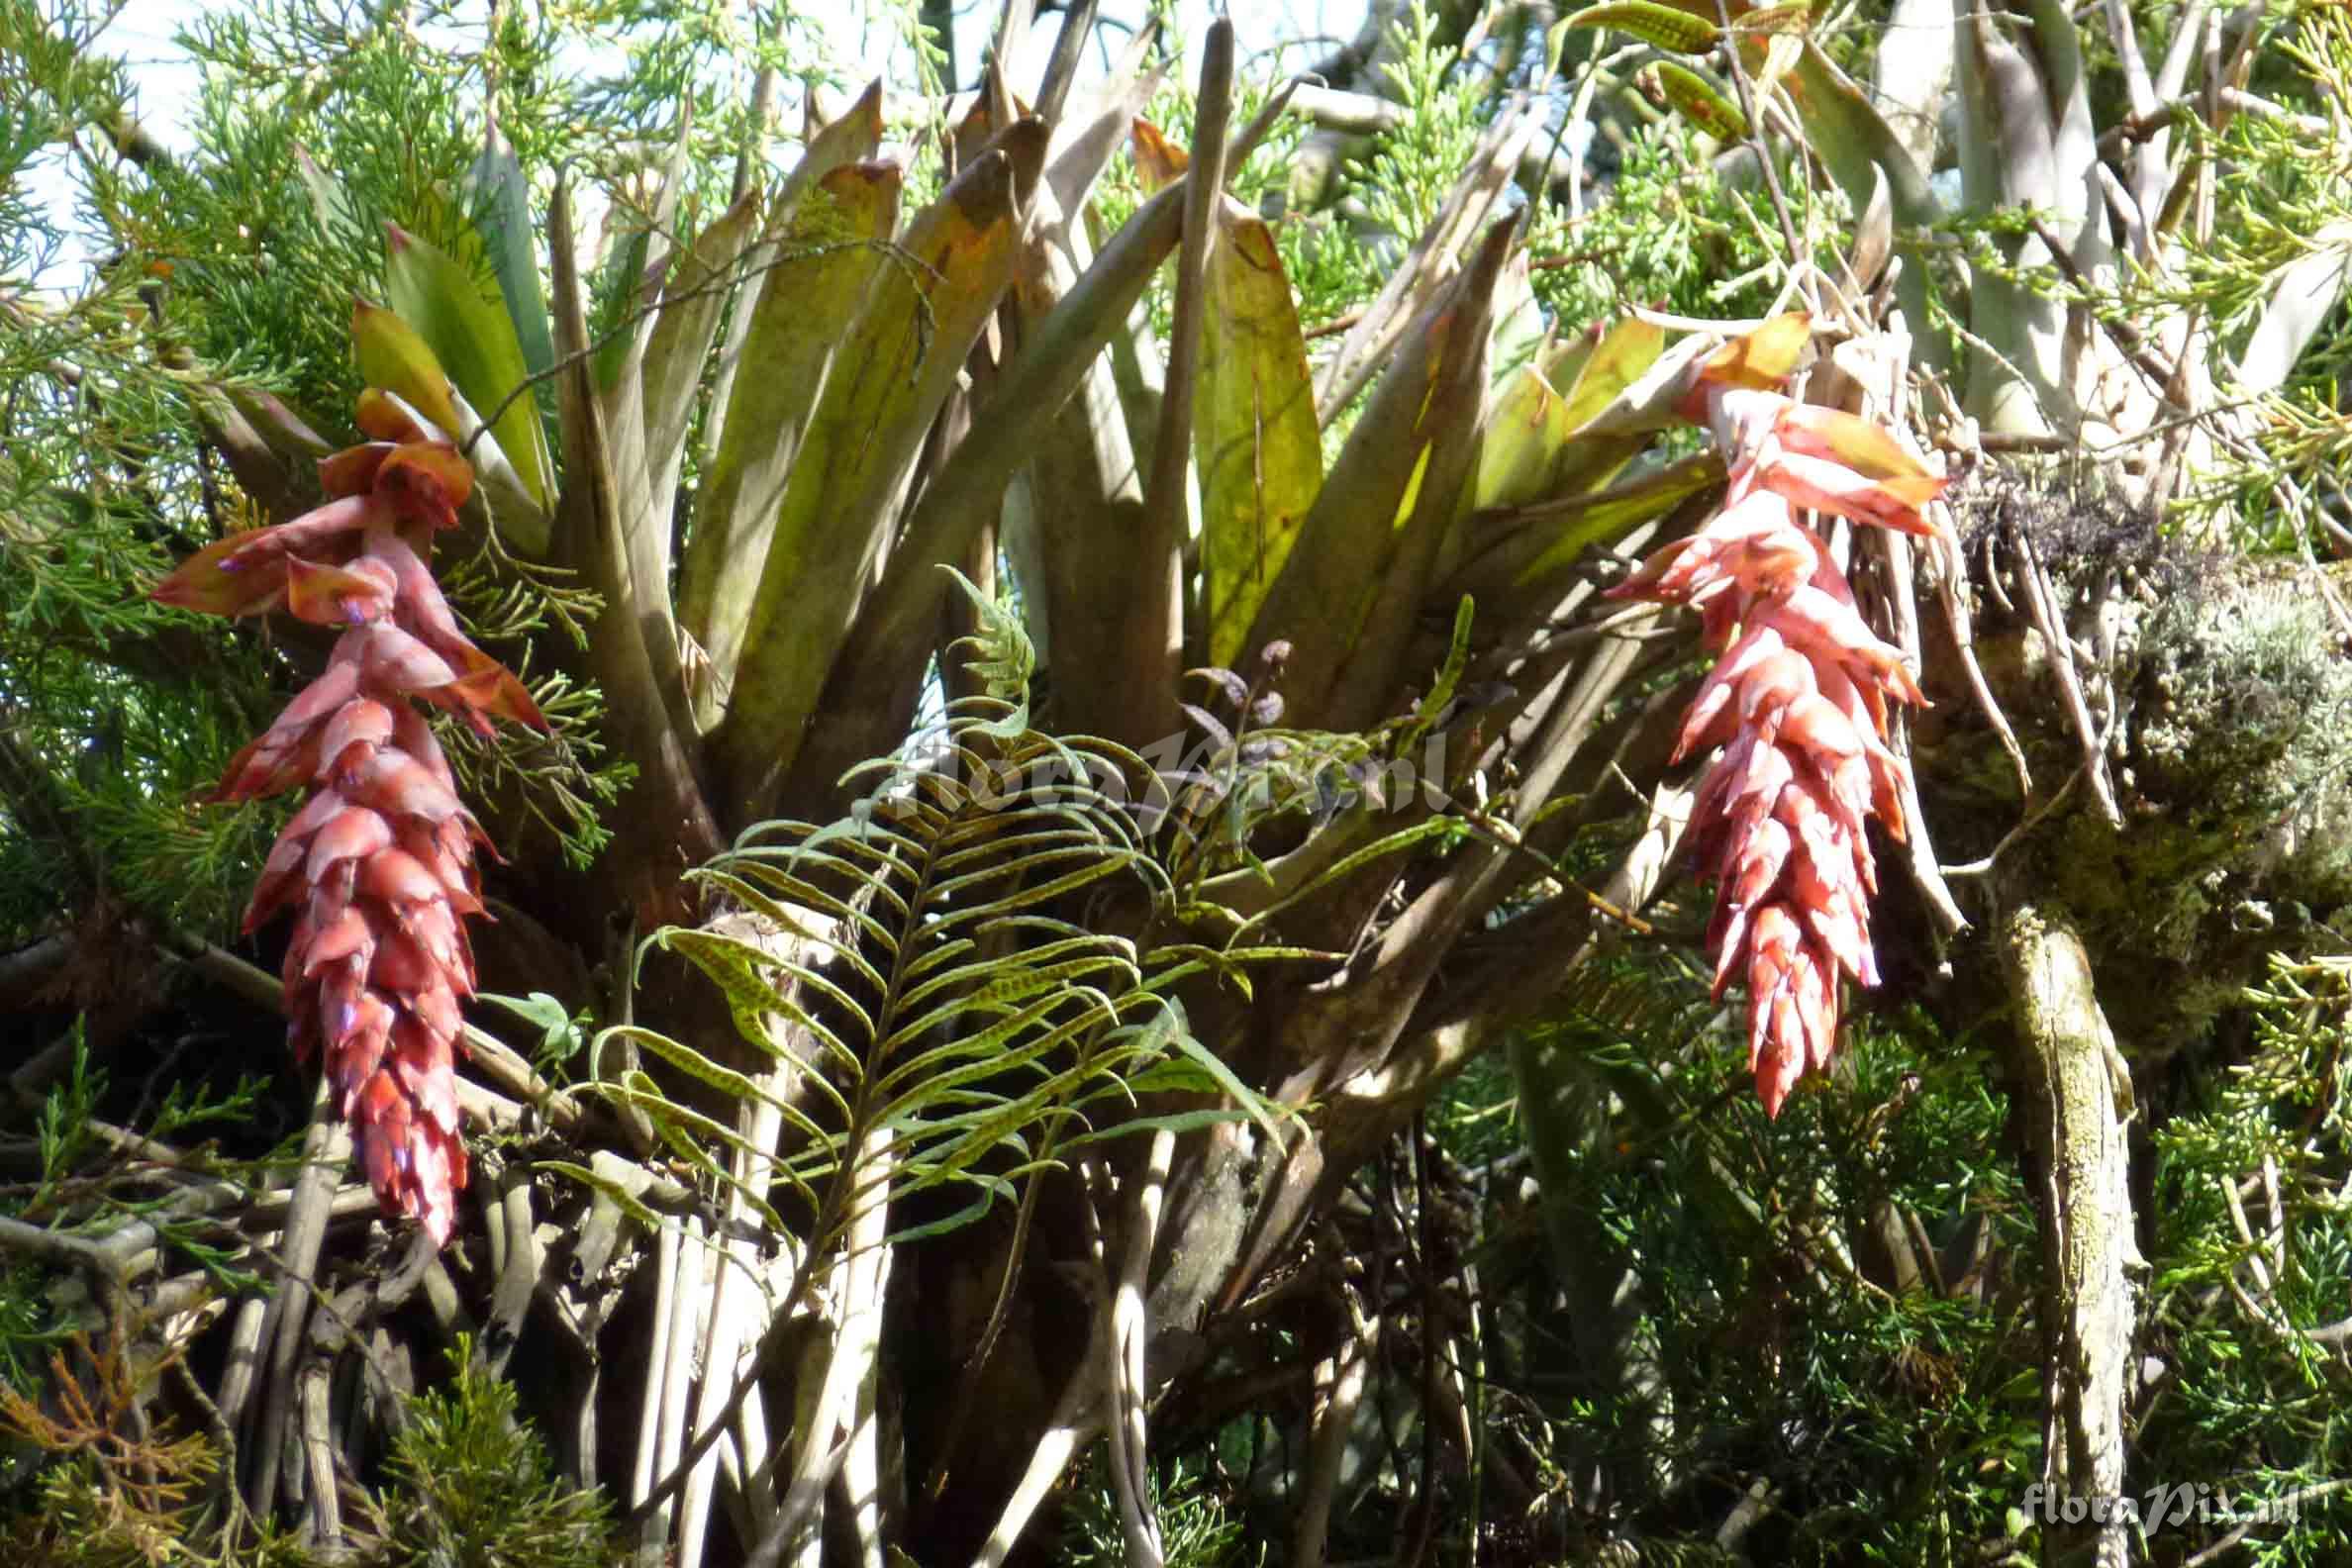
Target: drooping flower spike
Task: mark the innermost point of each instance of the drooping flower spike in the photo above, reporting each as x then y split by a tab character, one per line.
378	863
1798	700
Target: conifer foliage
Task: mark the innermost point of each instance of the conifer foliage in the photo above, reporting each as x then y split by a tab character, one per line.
378	863
1798	700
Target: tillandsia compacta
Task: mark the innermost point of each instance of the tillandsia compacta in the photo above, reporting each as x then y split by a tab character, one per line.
378	863
1798	700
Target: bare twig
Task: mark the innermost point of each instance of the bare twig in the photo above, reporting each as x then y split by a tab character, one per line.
2285	1504
326	1150
2042	608
1122	1404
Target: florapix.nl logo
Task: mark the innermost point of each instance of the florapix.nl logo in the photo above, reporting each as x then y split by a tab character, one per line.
2170	1504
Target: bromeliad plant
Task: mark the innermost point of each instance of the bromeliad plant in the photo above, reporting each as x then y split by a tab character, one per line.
928	992
378	863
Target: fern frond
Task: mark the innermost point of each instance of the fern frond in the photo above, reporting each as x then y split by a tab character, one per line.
961	1014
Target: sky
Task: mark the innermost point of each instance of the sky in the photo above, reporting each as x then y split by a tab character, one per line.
143	34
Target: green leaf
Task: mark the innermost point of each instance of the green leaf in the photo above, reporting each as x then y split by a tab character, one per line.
1702	102
474	339
1392	843
1012	984
899	359
737	967
331	204
991	1189
1002	656
1256	440
391	355
871	704
1179	1122
1252	1102
693	301
622	1198
1619	360
1031	961
1378	521
1763	358
617	295
277	424
1572	526
1001	1047
1662	25
1525	433
501	194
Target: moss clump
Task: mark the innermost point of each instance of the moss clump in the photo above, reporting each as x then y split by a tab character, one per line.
2232	774
2230	755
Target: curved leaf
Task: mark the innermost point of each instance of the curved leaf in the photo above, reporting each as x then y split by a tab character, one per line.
1702	102
1256	440
476	340
1662	25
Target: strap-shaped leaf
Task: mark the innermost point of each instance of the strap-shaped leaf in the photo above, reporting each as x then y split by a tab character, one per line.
693	299
1524	434
840	500
474	339
923	1078
1022	862
984	974
501	194
1252	1104
1063	841
912	1081
1431	709
1177	1122
991	1188
1382	514
391	355
1764	359
1391	843
868	853
704	1070
623	1199
1027	821
872	701
810	893
1009	986
796	336
1256	444
1562	531
1043	891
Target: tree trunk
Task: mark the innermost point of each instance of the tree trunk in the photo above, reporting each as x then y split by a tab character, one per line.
2078	1100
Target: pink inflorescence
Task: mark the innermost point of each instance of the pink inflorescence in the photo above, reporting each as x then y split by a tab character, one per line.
378	863
1798	702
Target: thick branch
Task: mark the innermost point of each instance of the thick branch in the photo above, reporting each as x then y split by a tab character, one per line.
2077	1098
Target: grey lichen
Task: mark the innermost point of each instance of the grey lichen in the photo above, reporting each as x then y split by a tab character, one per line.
2224	686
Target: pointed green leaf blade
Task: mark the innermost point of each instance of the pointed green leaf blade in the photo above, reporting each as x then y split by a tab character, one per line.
474	339
1256	439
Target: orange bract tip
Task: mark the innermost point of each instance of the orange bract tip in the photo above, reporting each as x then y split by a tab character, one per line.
352	471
